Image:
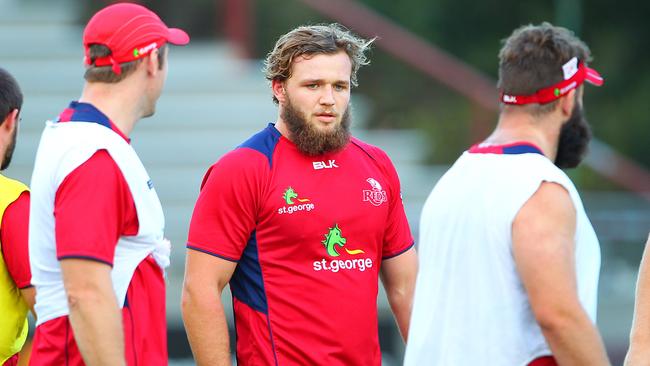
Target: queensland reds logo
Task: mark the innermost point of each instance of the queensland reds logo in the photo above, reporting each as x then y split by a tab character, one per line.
376	195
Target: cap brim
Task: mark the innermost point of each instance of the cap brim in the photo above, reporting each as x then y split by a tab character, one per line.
593	77
178	37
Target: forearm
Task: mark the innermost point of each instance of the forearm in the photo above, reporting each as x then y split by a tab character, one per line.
94	313
574	340
97	325
398	276
401	304
29	295
206	326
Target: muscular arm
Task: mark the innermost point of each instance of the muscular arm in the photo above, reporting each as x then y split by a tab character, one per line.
398	276
94	313
544	251
639	352
203	314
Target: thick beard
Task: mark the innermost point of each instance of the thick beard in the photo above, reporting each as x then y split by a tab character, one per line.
311	141
575	135
10	151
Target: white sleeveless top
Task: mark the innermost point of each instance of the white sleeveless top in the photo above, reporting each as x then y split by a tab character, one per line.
64	147
470	305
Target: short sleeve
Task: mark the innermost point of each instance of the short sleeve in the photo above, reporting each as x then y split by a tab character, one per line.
93	207
13	234
397	236
226	210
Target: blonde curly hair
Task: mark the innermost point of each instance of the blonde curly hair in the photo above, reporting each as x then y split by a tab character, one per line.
315	39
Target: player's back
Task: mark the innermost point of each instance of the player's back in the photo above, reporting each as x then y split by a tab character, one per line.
470	305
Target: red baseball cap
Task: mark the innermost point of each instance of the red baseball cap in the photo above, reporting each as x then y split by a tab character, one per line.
575	73
130	31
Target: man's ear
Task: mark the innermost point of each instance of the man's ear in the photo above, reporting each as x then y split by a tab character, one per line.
152	62
567	103
10	122
278	90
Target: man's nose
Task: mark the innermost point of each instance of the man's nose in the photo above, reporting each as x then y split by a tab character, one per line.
327	96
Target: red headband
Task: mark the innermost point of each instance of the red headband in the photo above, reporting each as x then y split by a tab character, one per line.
137	53
575	73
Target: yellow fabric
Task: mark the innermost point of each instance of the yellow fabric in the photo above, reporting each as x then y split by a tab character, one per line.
13	309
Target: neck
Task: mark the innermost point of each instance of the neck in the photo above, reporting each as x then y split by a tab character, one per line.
120	102
516	126
281	125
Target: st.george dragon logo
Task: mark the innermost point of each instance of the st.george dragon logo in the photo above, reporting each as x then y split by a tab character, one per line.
376	195
293	203
333	239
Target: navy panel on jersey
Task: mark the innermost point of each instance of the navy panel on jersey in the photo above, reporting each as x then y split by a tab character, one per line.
264	141
246	283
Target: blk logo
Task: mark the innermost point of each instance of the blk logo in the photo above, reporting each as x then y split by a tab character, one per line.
509	98
323	165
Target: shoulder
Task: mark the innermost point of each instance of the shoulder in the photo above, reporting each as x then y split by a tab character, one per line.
263	143
9	183
241	163
97	166
17	212
67	146
550	207
10	191
543	170
76	134
99	171
372	151
539	165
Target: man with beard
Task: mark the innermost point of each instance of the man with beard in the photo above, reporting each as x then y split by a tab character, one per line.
301	219
509	260
96	231
16	291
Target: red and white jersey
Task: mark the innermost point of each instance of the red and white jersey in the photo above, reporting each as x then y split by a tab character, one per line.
470	305
94	201
308	235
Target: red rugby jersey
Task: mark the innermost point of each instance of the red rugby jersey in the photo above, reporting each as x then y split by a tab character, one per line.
308	235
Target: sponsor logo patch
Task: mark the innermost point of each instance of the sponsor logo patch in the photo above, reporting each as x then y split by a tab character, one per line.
333	241
293	203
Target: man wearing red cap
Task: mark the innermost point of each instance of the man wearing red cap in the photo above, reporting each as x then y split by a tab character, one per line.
509	262
96	241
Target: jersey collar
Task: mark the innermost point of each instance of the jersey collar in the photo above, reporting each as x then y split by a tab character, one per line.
514	148
86	112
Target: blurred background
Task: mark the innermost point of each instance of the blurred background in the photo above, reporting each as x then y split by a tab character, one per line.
427	96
